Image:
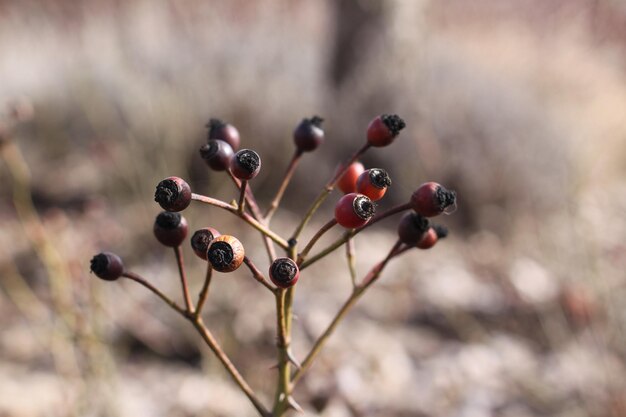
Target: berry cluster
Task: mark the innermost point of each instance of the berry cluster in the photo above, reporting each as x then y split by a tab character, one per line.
354	211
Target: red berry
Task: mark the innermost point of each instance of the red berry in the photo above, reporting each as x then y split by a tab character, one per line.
428	240
284	272
201	240
173	194
107	266
373	183
226	253
170	228
223	131
246	164
217	154
347	182
412	228
431	199
309	134
383	129
354	210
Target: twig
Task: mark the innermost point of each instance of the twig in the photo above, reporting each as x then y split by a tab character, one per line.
204	292
257	274
183	278
329	225
242	197
350	256
139	279
291	168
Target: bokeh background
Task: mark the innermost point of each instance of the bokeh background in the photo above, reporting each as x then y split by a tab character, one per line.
518	105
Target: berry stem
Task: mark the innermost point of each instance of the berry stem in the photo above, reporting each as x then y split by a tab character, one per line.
204	292
329	225
349	234
350	256
139	279
245	216
242	196
291	168
257	274
357	292
330	186
183	279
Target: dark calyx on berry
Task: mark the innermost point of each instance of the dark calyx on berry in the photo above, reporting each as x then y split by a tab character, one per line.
168	220
284	272
220	255
107	266
444	197
379	178
201	240
173	194
363	207
214	125
166	192
441	230
248	160
393	122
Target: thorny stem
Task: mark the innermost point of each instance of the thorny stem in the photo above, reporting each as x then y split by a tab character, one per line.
209	339
357	292
330	186
257	274
350	256
329	225
245	216
242	197
349	234
183	278
204	292
291	168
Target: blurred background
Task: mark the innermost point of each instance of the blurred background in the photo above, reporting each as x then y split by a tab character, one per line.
518	105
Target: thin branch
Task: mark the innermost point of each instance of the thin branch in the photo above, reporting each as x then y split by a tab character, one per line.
139	279
242	196
329	225
291	168
204	292
257	274
350	257
183	278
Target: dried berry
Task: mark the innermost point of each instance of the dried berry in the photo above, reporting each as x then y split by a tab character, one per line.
217	154
173	194
107	266
354	210
412	228
373	183
246	164
384	129
284	272
431	199
201	240
309	134
223	131
226	253
170	228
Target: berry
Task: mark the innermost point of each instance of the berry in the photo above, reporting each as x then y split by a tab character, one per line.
107	266
373	183
246	164
217	154
354	210
173	194
224	132
170	228
201	240
431	199
347	182
284	272
428	240
412	228
226	253
384	129
309	134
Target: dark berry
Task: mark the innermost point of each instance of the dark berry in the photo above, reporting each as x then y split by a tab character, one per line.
431	199
354	210
201	240
107	266
284	272
412	228
173	194
384	129
217	154
226	253
309	134
223	131
246	164
373	183
347	182
170	228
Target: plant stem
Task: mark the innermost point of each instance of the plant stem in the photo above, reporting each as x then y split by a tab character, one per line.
357	292
291	168
257	274
245	216
326	191
350	256
139	279
204	292
242	197
329	225
349	234
183	278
